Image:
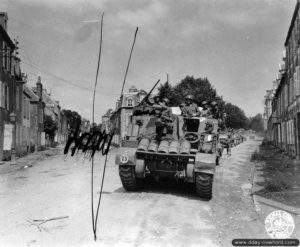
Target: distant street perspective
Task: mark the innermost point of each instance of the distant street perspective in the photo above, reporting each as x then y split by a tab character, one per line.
149	123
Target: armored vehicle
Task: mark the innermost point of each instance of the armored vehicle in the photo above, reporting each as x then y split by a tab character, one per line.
188	153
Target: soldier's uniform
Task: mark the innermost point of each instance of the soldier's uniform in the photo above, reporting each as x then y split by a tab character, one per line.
190	109
164	121
206	112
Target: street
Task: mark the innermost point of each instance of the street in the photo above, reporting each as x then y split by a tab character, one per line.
161	215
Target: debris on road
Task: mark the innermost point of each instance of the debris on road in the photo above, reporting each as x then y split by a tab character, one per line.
39	222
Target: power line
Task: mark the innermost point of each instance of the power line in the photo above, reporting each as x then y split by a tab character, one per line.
32	65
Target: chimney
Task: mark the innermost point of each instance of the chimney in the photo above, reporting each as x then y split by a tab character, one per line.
275	84
39	88
3	20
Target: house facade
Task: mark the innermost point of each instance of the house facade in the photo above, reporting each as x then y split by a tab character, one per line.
53	110
11	88
121	117
284	121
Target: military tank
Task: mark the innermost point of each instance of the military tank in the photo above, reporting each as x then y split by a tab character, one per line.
189	153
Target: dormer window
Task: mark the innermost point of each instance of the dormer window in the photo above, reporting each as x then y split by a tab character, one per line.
129	102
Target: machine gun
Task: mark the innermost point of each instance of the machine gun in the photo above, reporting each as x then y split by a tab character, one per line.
139	109
147	96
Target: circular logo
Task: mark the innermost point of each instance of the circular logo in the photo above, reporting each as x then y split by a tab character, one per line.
124	158
279	224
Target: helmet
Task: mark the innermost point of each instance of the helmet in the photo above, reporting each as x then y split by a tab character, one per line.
166	100
213	103
151	100
189	97
204	103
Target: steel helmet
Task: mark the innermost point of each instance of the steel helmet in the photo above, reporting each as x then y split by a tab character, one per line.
204	103
166	100
213	103
189	97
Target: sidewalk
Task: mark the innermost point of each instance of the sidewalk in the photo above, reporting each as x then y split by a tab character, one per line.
276	184
29	160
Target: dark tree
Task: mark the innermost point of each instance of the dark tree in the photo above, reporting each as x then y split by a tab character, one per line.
200	88
50	126
166	91
73	119
256	123
235	117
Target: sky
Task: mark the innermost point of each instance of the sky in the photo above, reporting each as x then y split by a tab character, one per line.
236	44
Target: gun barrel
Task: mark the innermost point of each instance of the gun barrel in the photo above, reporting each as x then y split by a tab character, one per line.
147	96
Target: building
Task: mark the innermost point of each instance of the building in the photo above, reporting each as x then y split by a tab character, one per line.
11	90
106	124
267	114
121	117
53	110
36	118
284	121
25	135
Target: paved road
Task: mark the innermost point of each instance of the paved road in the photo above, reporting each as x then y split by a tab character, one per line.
158	216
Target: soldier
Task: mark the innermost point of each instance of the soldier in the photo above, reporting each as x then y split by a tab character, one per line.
206	111
183	111
164	121
158	106
214	109
156	100
190	109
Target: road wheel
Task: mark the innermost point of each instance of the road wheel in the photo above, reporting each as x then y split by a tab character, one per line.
204	185
128	179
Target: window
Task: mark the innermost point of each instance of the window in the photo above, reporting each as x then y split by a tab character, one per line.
6	97
3	54
17	98
129	102
28	108
1	94
24	107
8	59
41	115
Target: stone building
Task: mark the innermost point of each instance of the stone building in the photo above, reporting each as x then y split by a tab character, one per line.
36	118
26	144
11	88
121	117
53	109
285	118
106	124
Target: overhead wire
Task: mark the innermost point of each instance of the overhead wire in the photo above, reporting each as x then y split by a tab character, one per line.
34	66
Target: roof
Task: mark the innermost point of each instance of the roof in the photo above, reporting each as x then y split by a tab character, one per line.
292	22
46	98
30	93
6	37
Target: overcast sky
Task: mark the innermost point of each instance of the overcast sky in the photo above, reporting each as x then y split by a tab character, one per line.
236	44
